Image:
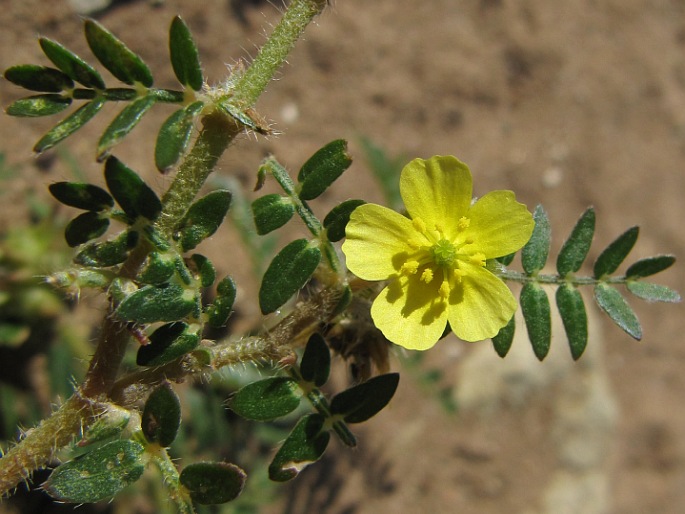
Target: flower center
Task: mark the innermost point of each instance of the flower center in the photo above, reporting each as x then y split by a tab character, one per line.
444	253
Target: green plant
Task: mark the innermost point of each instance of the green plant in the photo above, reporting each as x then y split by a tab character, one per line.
155	282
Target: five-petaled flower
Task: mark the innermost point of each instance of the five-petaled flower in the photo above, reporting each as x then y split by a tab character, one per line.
434	261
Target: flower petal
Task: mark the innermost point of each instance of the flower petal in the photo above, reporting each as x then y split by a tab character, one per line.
480	305
410	314
499	224
437	190
376	240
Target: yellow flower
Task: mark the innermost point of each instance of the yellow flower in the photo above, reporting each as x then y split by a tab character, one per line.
434	261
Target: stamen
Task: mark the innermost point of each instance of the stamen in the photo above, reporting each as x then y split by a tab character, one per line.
463	223
427	275
444	290
478	259
410	267
419	225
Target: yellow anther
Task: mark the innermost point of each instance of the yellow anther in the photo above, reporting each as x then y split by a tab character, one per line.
457	275
419	225
463	223
410	267
427	275
415	244
478	259
444	290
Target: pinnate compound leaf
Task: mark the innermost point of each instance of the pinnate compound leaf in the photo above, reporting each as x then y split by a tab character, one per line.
161	416
81	195
576	247
185	58
336	221
213	483
70	124
572	310
38	105
323	168
363	401
203	218
99	474
130	191
71	64
536	313
316	361
534	254
614	305
150	304
650	266
85	227
114	55
174	136
271	212
220	309
614	254
266	399
167	343
288	273
305	445
39	78
653	292
504	338
124	123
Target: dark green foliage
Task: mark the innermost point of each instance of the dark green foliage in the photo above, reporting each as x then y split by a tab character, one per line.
150	304
576	247
266	399
211	483
220	309
506	260
167	343
502	341
114	55
39	78
174	136
158	268
336	220
71	64
81	196
97	475
572	310
133	195
124	122
161	416
108	253
316	361
204	269
652	292
288	273
85	227
615	306
184	55
534	254
271	212
38	105
614	254
365	400
323	168
69	125
203	218
650	266
304	446
536	312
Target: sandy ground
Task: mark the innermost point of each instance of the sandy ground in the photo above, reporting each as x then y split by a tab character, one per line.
569	104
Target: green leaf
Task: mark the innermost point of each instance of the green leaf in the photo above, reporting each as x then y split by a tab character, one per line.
174	136
114	55
39	78
266	399
184	55
271	212
204	268
650	266
615	306
125	121
504	338
84	228
81	196
133	195
536	312
158	268
304	446
365	400
38	105
220	309
316	361
150	304
203	218
576	247
167	343
97	475
534	254
161	416
505	260
652	292
287	274
336	221
212	483
323	168
572	310
243	117
108	424
614	254
70	124
108	253
71	64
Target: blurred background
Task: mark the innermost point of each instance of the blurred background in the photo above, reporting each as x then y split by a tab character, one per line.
569	104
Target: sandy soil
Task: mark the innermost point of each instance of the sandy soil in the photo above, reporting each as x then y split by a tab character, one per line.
570	104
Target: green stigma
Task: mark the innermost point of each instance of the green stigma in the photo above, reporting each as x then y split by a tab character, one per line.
444	253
